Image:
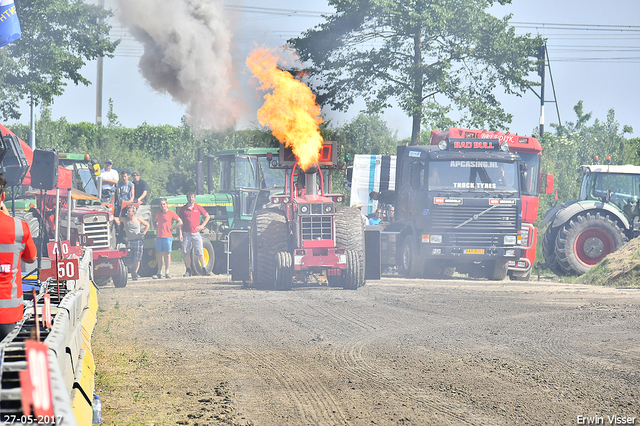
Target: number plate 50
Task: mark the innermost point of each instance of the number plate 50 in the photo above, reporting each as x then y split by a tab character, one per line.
68	269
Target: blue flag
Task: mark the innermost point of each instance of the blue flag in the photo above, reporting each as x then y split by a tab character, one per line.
9	24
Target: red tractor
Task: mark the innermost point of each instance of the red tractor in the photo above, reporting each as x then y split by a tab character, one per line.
302	234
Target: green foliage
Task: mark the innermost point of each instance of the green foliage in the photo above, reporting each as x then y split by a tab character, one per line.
366	134
431	56
58	37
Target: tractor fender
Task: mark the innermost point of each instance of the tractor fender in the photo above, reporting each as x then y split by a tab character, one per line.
574	209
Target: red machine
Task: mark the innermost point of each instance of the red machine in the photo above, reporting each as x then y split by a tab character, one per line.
530	151
302	233
91	224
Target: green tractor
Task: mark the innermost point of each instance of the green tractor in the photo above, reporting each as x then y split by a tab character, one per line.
246	184
582	232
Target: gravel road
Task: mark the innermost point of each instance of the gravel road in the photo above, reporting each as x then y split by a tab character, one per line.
198	351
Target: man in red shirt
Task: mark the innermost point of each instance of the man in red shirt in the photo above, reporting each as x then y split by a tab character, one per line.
15	244
164	236
191	239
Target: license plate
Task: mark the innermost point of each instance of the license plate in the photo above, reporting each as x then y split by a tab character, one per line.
473	251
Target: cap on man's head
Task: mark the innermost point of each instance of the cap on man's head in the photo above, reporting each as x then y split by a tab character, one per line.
108	161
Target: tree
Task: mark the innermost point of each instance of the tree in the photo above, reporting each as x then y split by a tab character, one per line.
428	55
367	134
58	37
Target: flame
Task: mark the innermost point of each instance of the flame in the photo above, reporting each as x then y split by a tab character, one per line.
290	110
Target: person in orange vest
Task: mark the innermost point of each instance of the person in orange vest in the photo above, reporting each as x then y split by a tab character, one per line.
15	244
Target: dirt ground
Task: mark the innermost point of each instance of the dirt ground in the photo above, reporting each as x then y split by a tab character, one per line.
201	351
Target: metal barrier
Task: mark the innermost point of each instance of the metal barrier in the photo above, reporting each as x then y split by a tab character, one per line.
71	363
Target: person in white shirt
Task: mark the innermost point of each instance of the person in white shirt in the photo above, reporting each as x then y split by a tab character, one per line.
110	179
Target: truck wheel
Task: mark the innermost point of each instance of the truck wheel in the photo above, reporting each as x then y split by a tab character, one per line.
148	264
350	233
497	270
410	266
120	279
586	240
284	273
520	276
209	258
549	250
271	236
354	270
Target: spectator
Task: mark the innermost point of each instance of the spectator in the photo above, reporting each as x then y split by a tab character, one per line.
164	236
140	189
125	188
15	244
135	236
109	180
191	239
377	217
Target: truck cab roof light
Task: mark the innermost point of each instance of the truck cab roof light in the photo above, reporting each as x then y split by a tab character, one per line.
504	146
442	145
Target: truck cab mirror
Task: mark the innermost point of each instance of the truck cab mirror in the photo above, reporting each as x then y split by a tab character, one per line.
545	184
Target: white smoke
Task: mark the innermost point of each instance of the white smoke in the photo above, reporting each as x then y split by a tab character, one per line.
187	55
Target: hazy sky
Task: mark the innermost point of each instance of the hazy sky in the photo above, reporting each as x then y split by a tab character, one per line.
594	49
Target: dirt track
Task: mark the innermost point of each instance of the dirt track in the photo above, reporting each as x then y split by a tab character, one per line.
395	352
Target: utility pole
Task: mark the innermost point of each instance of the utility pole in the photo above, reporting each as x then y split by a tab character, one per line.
541	68
99	78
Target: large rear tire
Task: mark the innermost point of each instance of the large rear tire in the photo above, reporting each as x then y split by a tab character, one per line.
350	236
586	239
32	220
549	250
271	235
410	266
148	264
209	259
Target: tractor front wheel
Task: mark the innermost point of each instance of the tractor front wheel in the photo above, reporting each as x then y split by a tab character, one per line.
209	259
586	239
284	271
120	279
355	267
549	250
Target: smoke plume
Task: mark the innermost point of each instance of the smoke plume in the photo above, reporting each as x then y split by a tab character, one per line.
187	55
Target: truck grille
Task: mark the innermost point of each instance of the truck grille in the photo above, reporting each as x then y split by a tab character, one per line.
317	227
499	218
475	240
98	233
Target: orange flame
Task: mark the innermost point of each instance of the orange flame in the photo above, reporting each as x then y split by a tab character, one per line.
290	110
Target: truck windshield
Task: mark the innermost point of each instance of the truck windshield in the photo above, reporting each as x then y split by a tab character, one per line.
473	175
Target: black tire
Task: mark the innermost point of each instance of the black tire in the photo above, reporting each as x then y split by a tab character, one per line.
220	264
32	221
209	258
520	276
352	277
410	266
497	270
350	235
549	250
284	271
586	239
120	280
271	235
149	263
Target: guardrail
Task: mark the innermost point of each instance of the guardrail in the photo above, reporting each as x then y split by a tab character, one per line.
74	308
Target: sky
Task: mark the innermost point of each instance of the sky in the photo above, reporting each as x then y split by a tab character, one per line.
594	56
